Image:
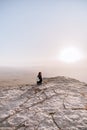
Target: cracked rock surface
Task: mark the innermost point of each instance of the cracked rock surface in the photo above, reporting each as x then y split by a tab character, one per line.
60	103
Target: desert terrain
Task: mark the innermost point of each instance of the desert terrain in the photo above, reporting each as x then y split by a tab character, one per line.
60	103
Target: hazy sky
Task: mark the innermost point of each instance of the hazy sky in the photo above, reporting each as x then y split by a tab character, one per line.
35	32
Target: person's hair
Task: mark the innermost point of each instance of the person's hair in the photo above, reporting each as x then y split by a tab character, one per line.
39	73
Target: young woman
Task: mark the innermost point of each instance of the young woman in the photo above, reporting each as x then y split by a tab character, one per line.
39	78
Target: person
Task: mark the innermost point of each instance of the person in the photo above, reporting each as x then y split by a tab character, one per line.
39	78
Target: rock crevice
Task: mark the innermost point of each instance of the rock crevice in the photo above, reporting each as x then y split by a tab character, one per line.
58	104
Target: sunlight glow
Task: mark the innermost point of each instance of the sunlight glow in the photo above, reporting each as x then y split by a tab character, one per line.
70	55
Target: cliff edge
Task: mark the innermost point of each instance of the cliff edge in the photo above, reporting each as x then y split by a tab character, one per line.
60	103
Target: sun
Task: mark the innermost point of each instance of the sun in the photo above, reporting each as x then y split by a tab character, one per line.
70	55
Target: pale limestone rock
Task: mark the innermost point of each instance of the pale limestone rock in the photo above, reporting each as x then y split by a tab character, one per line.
60	103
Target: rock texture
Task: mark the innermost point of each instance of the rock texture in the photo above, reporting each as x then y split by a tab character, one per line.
58	104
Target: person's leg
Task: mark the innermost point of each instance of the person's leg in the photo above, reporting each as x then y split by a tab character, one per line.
39	82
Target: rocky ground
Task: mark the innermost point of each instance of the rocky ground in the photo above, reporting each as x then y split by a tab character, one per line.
58	104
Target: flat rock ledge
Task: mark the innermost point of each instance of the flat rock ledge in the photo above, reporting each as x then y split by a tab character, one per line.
58	104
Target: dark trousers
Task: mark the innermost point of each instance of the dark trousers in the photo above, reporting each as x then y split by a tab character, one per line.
39	82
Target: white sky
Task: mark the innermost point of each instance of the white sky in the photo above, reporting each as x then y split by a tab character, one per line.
34	32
